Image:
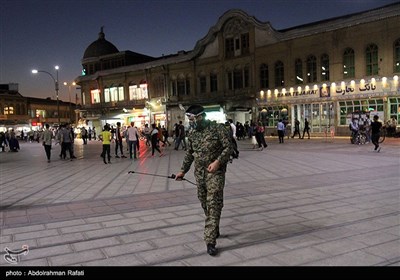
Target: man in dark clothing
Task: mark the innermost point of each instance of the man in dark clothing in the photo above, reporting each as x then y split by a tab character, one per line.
296	128
306	128
376	126
118	141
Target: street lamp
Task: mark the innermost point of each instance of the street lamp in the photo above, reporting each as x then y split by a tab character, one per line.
69	93
34	71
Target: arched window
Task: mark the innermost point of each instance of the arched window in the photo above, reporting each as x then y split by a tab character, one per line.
298	71
371	59
324	67
311	69
348	63
279	74
264	79
396	56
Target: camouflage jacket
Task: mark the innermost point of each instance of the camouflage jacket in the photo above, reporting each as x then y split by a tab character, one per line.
207	145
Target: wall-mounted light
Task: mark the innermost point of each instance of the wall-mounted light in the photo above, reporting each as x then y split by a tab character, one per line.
384	81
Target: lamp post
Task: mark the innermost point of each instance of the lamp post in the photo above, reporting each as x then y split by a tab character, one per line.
34	71
69	94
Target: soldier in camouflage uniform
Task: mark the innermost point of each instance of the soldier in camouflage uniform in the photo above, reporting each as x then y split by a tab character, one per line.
210	147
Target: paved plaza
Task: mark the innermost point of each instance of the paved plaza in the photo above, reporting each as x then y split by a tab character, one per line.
317	202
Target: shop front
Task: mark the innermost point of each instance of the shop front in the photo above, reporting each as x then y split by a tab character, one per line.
330	107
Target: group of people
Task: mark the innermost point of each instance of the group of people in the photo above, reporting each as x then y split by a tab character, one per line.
132	139
9	139
371	129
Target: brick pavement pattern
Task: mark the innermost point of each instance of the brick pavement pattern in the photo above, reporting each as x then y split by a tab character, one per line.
318	202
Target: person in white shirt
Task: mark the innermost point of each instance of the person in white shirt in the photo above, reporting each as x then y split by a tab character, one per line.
132	134
233	126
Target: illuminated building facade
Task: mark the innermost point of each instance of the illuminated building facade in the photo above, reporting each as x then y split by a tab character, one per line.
246	70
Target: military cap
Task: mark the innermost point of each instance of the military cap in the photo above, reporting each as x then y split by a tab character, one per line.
194	111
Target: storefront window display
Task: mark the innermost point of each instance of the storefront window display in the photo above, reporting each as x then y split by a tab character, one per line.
346	108
394	105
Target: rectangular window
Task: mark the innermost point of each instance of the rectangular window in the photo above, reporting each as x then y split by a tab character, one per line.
8	110
138	93
279	74
237	44
264	79
187	87
348	64
174	89
203	84
95	96
397	58
181	87
271	116
237	79
324	67
245	43
298	68
114	94
230	80
121	95
229	48
311	69
213	83
246	77
144	92
106	95
133	92
371	56
395	110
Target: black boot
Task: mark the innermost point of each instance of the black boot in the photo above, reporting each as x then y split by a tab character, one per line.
211	250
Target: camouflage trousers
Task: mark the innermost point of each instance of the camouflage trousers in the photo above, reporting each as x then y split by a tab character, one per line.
210	191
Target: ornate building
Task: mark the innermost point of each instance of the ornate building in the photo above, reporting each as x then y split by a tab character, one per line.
246	70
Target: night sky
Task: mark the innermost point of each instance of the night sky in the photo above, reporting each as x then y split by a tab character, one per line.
39	34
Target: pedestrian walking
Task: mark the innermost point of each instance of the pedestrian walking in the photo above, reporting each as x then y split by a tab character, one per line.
155	141
46	138
118	141
210	147
376	127
296	129
106	138
306	128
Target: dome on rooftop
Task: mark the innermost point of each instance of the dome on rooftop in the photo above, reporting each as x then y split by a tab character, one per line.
100	47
